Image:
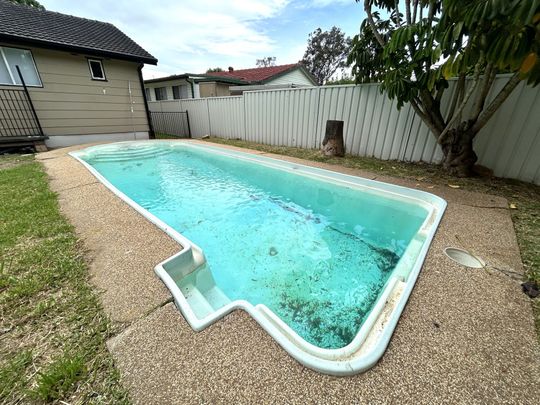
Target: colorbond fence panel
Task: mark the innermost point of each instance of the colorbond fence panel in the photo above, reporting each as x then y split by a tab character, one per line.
373	126
227	116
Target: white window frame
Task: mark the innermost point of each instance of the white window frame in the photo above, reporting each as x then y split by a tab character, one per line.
104	78
12	74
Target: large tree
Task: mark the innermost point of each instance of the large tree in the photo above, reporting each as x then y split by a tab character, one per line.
326	53
414	50
267	61
31	3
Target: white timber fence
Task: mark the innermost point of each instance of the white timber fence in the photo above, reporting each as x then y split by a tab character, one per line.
373	126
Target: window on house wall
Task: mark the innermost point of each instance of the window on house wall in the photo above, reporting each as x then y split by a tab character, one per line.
180	92
148	97
96	69
161	93
10	58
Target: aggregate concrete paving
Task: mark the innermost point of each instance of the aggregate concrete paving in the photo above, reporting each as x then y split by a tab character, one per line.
465	336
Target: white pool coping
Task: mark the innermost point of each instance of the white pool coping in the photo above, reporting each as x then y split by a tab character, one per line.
374	335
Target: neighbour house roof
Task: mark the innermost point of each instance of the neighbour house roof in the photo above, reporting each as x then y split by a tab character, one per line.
262	74
47	29
242	76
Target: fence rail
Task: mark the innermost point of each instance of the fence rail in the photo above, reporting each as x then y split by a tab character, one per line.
17	116
171	123
509	144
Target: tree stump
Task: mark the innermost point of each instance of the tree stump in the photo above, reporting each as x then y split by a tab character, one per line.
333	144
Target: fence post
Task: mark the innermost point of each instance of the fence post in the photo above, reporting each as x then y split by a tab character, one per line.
188	126
209	122
245	117
29	100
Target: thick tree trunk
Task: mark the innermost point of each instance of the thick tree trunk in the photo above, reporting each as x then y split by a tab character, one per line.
333	144
459	156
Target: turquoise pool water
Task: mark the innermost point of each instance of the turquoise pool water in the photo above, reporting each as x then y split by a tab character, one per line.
316	253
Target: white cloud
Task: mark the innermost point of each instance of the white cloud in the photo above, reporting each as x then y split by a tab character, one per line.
187	35
325	3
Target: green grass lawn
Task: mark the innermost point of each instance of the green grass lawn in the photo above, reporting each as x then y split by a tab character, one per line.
525	197
52	327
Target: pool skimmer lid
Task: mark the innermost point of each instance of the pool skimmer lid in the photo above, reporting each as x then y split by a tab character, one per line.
464	258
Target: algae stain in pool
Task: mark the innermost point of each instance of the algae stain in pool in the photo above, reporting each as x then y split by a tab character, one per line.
317	254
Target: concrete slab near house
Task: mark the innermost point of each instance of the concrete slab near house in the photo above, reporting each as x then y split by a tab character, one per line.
466	336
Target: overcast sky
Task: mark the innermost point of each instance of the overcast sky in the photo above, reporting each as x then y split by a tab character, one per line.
194	35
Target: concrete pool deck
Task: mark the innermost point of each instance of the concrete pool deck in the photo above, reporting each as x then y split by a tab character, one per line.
465	336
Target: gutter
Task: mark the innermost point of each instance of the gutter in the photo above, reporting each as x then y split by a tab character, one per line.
151	133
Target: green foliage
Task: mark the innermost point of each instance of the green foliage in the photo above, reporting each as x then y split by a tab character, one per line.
326	53
216	69
414	54
267	61
505	33
346	79
450	37
30	3
366	55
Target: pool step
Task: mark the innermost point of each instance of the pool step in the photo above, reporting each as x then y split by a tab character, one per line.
203	304
201	292
196	300
129	154
216	297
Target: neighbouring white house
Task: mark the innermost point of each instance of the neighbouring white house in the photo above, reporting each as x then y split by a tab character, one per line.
231	82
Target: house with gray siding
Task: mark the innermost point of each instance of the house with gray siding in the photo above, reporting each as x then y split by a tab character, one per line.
83	79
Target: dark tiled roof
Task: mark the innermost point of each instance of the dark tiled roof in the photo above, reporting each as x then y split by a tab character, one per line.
60	31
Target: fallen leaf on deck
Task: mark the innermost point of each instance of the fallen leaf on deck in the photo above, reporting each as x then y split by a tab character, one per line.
454	186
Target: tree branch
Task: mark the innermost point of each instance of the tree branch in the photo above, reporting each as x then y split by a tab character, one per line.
415	9
398	18
367	9
463	103
426	118
487	81
431	13
496	103
432	109
408	11
439	94
460	89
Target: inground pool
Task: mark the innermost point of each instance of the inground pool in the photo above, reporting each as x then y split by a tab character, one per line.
323	261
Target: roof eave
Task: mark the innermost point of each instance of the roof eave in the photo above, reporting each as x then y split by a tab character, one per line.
167	78
197	78
72	48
